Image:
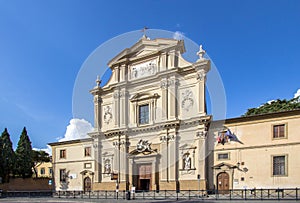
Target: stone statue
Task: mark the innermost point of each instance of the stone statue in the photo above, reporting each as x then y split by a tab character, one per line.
107	166
187	161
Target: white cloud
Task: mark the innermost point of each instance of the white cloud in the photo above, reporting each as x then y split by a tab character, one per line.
48	150
297	94
178	35
77	129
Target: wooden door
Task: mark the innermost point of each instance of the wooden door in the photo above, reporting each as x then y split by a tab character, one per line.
223	183
144	178
87	184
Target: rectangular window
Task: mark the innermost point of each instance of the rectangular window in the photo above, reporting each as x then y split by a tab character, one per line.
87	165
87	151
62	154
42	171
279	131
279	165
50	171
62	175
144	114
223	156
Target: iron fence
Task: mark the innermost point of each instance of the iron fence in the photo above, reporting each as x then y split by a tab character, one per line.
4	194
236	194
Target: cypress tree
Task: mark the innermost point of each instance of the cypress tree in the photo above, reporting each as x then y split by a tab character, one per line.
8	156
24	156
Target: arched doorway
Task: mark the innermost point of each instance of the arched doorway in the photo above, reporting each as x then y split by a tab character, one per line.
223	183
87	184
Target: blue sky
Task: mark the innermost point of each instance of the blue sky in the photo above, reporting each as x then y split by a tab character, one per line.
254	45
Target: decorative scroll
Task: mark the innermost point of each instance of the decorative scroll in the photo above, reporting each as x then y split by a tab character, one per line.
187	100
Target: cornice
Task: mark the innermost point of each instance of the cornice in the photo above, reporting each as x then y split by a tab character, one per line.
172	124
70	142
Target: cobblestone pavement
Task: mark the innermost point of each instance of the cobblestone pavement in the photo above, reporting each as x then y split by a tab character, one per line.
58	200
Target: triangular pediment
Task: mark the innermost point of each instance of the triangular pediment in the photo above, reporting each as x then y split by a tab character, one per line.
145	48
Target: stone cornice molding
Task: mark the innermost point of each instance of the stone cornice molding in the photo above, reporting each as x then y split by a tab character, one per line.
175	124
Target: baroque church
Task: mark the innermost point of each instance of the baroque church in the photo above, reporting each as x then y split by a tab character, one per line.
150	118
151	132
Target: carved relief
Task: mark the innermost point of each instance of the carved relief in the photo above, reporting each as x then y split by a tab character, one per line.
107	117
167	83
97	99
167	138
143	146
144	69
201	75
116	95
187	100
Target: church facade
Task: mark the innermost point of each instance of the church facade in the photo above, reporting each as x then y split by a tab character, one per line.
152	132
150	119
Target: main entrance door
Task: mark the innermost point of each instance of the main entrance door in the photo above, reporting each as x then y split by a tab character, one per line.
87	184
144	177
223	183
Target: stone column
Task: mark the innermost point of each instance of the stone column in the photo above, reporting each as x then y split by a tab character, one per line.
202	66
116	106
172	151
117	158
163	62
201	151
123	111
171	59
201	77
164	89
97	157
122	73
164	176
172	98
117	74
97	112
123	159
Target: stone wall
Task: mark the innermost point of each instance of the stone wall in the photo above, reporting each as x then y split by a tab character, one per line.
27	184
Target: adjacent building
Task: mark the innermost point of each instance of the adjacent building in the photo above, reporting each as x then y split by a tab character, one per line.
255	152
43	169
73	164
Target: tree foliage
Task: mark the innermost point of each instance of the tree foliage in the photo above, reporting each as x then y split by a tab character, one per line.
39	157
24	161
7	155
275	106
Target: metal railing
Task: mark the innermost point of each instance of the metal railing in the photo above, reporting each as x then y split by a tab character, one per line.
5	194
236	194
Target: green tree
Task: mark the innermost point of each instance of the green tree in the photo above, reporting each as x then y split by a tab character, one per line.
24	159
39	157
275	106
8	156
